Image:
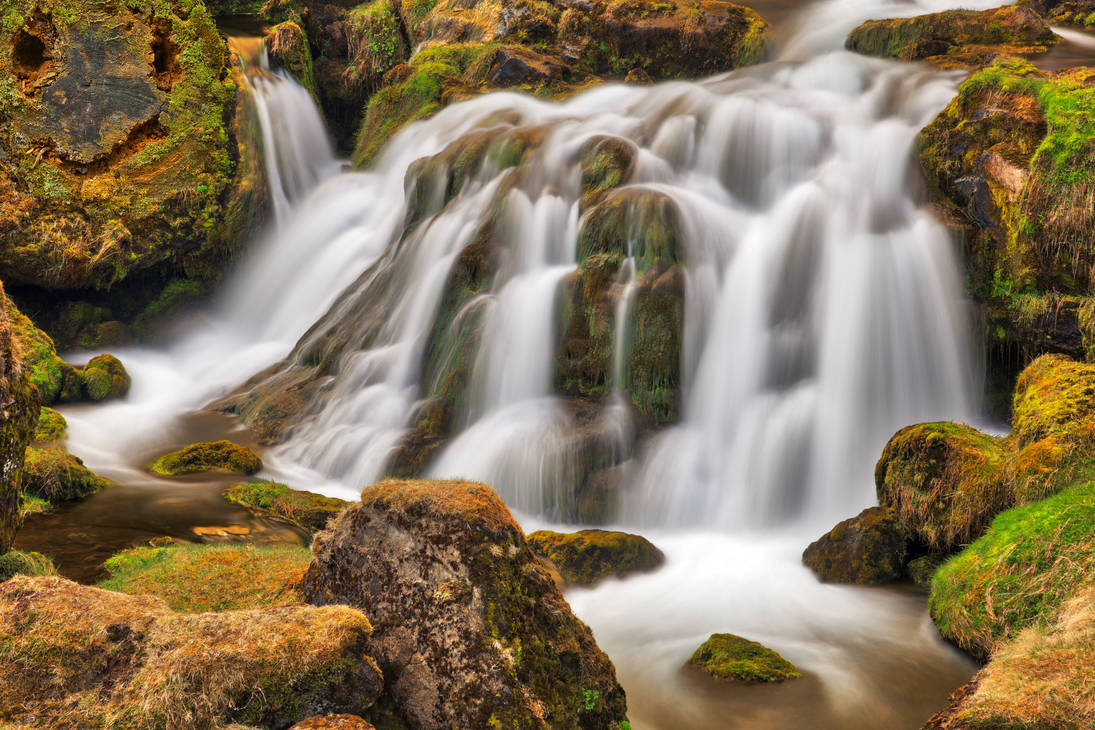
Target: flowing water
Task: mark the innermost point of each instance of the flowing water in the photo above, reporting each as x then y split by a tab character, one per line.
823	311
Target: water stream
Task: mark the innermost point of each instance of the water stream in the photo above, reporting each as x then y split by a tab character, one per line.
823	311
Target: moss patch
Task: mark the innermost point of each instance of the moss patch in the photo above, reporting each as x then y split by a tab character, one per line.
588	556
307	509
19	563
104	378
195	578
222	456
730	657
55	475
52	426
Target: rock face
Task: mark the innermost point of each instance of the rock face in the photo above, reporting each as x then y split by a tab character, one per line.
588	556
471	631
208	456
955	37
868	548
19	405
732	658
75	656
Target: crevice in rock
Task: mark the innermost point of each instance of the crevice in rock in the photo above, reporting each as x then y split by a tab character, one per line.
138	137
165	55
32	57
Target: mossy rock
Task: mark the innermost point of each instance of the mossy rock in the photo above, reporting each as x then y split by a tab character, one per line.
104	378
606	163
78	656
588	556
1054	396
635	222
52	426
1019	574
20	563
307	509
55	475
56	380
222	456
196	578
955	37
868	548
287	45
732	658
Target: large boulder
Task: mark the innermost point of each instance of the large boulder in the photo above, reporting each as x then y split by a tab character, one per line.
471	630
221	456
955	37
76	656
19	406
868	548
588	556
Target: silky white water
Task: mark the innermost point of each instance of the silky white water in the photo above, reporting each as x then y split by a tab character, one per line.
823	311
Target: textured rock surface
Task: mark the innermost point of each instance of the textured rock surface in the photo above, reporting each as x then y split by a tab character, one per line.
868	548
19	406
333	722
587	556
75	656
732	658
470	630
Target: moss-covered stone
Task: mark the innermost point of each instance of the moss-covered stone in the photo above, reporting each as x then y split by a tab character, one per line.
955	37
196	578
732	658
588	556
868	548
20	563
471	630
104	378
77	656
52	426
309	510
55	379
288	48
55	475
223	456
121	149
1019	574
19	407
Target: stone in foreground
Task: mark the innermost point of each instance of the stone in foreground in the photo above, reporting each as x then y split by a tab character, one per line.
730	657
76	656
868	548
588	556
470	629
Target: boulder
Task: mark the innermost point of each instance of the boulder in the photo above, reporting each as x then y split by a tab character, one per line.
19	407
287	46
955	37
588	556
53	474
868	548
104	378
734	659
309	510
223	456
196	578
52	426
77	656
471	630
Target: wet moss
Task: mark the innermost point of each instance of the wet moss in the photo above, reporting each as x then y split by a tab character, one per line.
208	456
588	556
55	475
104	377
309	510
55	379
287	45
20	563
52	426
732	658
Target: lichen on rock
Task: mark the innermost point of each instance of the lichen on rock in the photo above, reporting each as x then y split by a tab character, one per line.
223	456
588	556
470	629
732	658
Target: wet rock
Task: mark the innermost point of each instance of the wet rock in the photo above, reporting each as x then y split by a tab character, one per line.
104	378
208	456
513	66
470	628
122	150
309	510
288	48
52	426
922	569
19	407
955	37
588	556
82	656
55	475
732	658
868	548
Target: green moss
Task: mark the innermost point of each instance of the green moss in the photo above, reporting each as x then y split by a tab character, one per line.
208	456
308	509
19	563
588	556
55	475
56	380
730	657
51	426
104	378
1018	575
33	505
287	45
196	578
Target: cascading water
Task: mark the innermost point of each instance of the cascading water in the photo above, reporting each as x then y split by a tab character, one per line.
821	312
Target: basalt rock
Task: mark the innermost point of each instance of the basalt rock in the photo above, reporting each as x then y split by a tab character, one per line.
470	629
868	548
19	406
588	556
76	656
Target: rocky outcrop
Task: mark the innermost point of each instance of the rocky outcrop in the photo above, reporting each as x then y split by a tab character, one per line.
956	38
734	659
309	510
121	145
223	456
868	548
19	406
470	629
588	556
76	656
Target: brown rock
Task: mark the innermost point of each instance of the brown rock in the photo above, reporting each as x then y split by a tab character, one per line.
333	722
868	548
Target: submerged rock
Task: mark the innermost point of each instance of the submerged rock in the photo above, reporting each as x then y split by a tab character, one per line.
868	548
77	656
588	556
307	509
471	631
730	657
222	456
955	37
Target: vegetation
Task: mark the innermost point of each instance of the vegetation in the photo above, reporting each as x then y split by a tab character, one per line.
196	578
223	456
309	510
15	563
588	556
730	657
54	475
52	426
